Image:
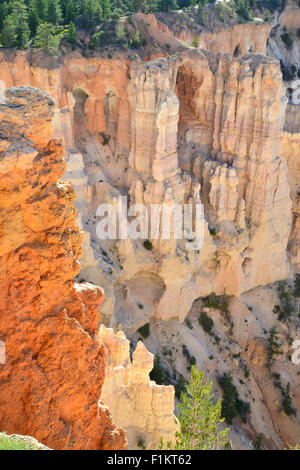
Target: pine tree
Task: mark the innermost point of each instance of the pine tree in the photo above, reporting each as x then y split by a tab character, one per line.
41	8
274	347
54	13
70	11
72	35
139	5
8	35
196	42
106	10
3	13
152	5
167	5
199	416
93	12
46	39
19	21
33	20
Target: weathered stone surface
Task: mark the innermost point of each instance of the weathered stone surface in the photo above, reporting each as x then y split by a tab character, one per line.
138	404
51	381
193	127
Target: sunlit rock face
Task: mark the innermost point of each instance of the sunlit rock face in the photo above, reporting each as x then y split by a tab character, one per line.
210	126
137	403
54	367
196	127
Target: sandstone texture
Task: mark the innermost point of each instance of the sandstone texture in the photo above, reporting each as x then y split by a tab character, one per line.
176	125
199	127
54	369
137	404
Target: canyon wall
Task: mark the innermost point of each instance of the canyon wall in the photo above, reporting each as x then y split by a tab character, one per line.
54	370
211	127
57	366
194	127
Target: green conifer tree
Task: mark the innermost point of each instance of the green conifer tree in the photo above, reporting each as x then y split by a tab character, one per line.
54	13
72	35
167	5
8	35
70	11
46	39
199	417
106	10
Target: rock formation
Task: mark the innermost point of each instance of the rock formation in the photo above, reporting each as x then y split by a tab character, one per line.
162	131
54	369
137	404
173	125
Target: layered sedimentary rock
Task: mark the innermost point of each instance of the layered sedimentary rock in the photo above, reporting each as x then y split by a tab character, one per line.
195	127
54	366
229	116
177	29
137	403
290	149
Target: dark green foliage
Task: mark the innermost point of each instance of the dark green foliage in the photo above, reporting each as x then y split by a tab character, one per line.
206	322
191	360
286	307
246	371
258	442
243	9
286	73
106	10
167	5
297	286
141	442
212	301
54	13
70	12
287	40
148	245
20	19
144	330
4	10
71	35
135	43
157	374
287	401
232	405
139	5
273	348
180	386
46	39
15	29
189	324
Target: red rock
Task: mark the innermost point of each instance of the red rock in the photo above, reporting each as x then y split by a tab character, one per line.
54	371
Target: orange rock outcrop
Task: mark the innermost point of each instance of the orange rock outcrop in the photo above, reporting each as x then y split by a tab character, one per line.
54	367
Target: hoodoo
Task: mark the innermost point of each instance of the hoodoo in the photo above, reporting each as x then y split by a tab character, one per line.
112	111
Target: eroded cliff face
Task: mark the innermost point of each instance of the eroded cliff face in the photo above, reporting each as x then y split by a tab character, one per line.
197	126
193	127
54	369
